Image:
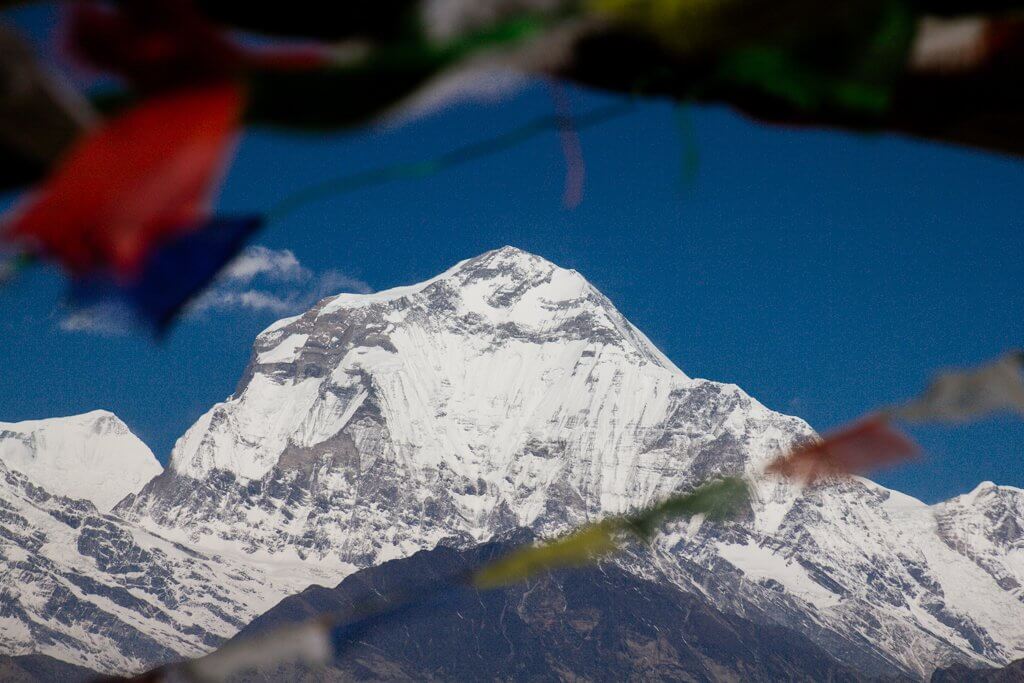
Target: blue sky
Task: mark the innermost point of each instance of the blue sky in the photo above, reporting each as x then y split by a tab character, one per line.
822	272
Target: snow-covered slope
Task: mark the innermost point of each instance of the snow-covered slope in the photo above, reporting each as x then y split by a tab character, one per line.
92	456
874	575
987	525
87	588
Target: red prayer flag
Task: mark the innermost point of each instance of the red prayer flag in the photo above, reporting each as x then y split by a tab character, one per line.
857	449
138	178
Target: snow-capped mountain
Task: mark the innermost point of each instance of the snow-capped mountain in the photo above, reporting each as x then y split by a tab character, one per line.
505	392
876	576
987	525
508	392
92	456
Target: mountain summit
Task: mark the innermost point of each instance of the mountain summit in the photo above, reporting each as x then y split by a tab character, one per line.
455	354
506	392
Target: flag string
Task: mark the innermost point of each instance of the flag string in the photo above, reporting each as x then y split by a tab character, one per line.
473	151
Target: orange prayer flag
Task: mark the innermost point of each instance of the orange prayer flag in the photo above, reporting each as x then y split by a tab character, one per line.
857	449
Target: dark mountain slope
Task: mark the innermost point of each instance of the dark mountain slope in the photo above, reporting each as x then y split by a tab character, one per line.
594	623
1011	673
42	669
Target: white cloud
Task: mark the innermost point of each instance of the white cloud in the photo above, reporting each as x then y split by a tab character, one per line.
277	264
273	281
107	320
255	300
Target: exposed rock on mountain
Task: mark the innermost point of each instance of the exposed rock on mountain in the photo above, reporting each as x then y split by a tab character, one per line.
87	588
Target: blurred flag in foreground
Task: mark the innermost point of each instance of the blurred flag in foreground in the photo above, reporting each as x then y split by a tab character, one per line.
308	643
173	274
719	499
144	176
154	45
41	115
962	396
858	449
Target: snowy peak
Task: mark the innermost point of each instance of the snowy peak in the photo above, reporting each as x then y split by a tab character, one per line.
495	280
988	492
996	511
506	294
498	351
987	526
92	456
514	287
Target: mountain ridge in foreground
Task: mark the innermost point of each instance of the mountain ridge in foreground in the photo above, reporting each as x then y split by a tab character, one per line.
505	393
592	623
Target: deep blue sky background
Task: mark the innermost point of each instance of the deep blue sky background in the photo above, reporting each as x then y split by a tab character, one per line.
824	273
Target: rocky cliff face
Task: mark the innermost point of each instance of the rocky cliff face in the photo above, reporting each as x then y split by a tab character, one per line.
509	393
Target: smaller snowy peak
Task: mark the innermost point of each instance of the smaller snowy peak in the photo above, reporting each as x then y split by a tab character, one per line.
985	494
987	490
984	488
995	512
987	526
92	456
